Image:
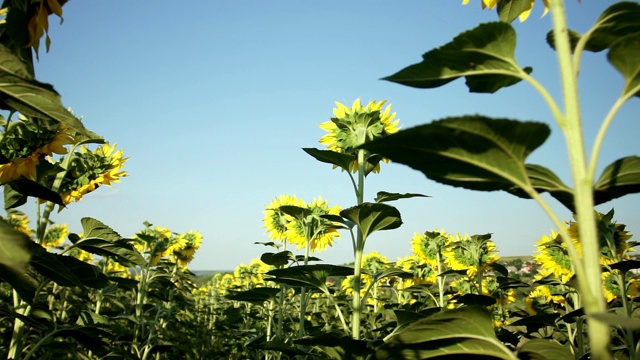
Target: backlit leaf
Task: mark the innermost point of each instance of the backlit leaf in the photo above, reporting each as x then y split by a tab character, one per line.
509	10
384	196
371	217
311	276
620	178
624	56
473	152
485	56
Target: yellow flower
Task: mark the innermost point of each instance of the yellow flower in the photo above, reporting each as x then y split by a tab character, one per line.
275	221
20	222
357	125
374	262
191	243
116	269
103	166
347	284
465	253
428	245
318	231
491	4
55	236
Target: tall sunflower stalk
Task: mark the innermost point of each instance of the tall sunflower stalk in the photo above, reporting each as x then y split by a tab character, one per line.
350	128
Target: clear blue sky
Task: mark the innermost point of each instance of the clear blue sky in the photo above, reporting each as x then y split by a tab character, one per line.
213	101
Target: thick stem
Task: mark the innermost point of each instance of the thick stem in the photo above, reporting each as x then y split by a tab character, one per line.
357	264
590	284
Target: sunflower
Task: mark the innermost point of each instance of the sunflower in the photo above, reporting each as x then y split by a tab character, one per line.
55	236
347	284
319	231
116	269
81	255
20	222
612	238
357	125
465	253
191	243
428	245
275	221
91	169
553	257
541	299
26	143
491	4
374	262
422	272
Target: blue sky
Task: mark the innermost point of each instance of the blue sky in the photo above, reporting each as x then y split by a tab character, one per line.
213	101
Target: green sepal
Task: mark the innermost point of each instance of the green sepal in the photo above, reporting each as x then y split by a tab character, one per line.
509	10
485	56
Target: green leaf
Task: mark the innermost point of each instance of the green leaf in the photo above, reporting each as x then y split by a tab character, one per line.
626	265
256	296
278	259
545	180
473	152
310	276
120	251
31	188
20	92
620	178
337	346
337	159
623	55
542	349
618	320
12	198
14	247
372	217
383	196
509	10
485	56
466	331
616	22
475	299
93	228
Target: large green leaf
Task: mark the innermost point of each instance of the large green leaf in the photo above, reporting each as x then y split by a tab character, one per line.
20	92
624	56
542	349
337	159
617	21
31	188
545	180
310	276
338	346
14	258
120	251
620	178
372	217
277	259
473	152
483	55
466	332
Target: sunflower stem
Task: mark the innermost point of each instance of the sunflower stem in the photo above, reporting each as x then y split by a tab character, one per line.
590	285
357	264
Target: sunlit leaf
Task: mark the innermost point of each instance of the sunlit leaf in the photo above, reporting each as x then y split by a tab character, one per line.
340	160
620	178
617	21
120	251
542	349
92	228
371	217
473	152
384	196
466	331
485	56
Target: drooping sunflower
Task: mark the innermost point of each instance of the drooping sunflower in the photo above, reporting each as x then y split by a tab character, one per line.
192	241
25	143
422	272
612	238
275	220
541	299
491	4
356	125
319	231
374	262
91	169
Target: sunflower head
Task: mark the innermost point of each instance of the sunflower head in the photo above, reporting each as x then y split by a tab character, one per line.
19	221
356	125
312	229
55	236
91	169
429	245
374	262
470	252
275	220
524	12
189	243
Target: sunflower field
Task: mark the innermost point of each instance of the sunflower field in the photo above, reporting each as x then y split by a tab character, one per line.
97	294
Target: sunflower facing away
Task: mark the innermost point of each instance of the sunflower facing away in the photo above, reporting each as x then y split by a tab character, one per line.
491	4
319	231
90	170
356	125
275	220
